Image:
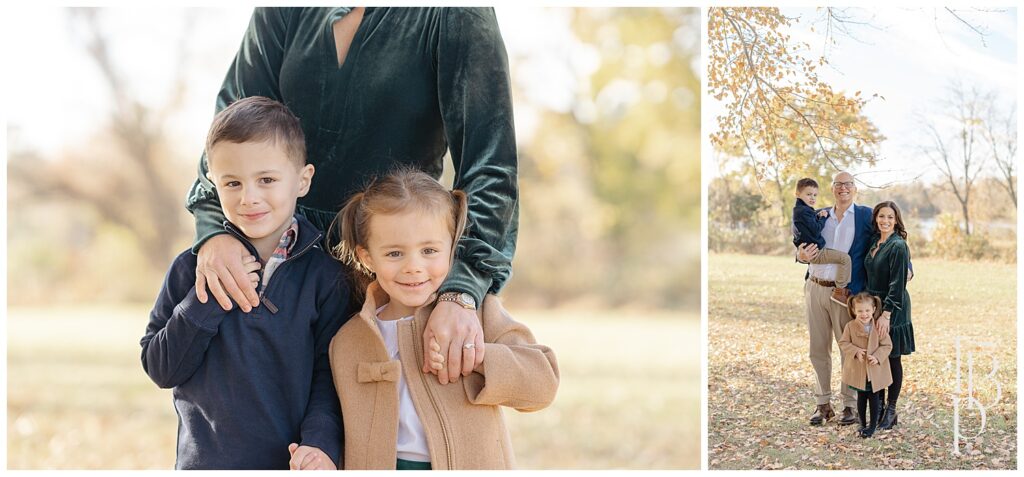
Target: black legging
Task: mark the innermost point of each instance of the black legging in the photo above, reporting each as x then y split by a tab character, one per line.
874	399
896	366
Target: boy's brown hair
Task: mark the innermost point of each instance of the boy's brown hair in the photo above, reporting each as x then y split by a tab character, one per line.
258	119
864	296
804	183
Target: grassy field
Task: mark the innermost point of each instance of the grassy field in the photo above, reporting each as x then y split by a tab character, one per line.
760	378
629	396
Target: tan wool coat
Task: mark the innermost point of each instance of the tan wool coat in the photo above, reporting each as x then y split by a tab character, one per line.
856	373
463	421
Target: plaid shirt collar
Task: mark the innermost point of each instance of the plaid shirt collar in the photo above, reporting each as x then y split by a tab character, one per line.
282	251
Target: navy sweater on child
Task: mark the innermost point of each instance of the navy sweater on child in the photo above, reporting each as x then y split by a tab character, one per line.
807	225
248	384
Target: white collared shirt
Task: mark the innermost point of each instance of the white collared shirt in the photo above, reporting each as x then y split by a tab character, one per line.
412	439
838	235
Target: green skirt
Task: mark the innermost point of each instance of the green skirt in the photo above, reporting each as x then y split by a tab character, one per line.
901	330
403	464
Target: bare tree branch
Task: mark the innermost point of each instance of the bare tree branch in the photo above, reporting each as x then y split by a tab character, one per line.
982	34
961	166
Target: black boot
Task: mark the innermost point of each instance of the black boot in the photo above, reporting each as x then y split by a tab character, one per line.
881	402
889	417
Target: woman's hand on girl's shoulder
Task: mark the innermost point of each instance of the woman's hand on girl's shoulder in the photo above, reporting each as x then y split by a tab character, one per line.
460	336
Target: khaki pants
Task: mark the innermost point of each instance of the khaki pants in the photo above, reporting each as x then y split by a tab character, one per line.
825	322
842	262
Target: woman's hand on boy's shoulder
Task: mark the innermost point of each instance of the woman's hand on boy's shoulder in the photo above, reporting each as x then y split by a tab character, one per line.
308	458
221	265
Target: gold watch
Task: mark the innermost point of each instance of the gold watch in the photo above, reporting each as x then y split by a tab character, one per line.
464	300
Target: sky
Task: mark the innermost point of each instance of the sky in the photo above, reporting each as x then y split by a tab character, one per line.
909	56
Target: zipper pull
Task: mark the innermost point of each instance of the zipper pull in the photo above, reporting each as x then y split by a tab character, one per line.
270	306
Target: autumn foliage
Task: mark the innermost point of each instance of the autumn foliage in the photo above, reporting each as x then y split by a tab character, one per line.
778	112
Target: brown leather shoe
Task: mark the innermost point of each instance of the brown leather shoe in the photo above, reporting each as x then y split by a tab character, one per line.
849	416
840	295
823	413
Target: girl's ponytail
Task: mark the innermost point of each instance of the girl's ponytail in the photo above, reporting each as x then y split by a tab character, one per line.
347	224
460	212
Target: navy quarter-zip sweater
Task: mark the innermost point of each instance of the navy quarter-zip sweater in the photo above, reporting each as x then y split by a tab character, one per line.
245	385
807	225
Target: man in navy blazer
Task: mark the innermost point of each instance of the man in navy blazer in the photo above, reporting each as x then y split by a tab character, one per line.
847	229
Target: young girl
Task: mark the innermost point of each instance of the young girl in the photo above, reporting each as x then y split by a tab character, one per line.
866	363
398	237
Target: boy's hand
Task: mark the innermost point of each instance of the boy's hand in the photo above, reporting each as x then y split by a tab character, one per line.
221	265
308	458
252	266
872	360
823	213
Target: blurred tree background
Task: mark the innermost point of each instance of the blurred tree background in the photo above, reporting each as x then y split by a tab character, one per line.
610	186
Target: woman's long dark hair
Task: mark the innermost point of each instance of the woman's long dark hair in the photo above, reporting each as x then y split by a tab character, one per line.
899	229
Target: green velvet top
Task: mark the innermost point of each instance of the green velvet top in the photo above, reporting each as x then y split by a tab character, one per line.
416	82
887	279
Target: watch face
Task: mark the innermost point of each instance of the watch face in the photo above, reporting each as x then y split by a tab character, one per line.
467	300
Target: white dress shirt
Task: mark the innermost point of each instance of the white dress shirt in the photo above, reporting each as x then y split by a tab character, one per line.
838	235
412	439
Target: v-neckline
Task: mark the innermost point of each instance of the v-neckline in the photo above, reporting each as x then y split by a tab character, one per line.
354	44
878	246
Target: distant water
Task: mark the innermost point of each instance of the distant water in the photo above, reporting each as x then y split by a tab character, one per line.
926	226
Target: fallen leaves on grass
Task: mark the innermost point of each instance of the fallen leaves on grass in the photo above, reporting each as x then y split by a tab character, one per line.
760	395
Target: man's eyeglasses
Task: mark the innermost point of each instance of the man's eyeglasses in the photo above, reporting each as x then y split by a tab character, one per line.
848	185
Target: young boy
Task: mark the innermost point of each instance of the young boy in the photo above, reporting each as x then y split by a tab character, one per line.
254	390
807	225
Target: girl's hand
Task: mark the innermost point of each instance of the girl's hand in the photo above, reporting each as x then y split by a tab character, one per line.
883	324
860	355
453	327
872	360
436	358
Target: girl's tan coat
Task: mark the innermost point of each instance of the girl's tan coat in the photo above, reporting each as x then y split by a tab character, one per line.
855	373
462	420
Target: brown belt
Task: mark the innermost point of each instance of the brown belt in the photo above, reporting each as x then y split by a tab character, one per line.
824	283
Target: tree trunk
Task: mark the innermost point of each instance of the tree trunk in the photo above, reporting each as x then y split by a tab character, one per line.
967	217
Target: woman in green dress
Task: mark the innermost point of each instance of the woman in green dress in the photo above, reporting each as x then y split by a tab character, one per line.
886	265
375	88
